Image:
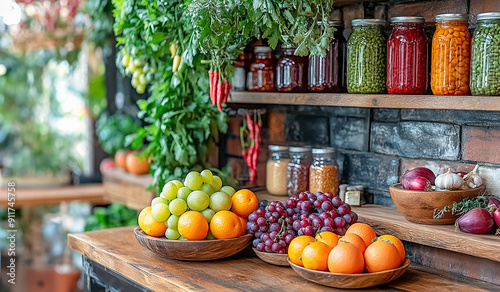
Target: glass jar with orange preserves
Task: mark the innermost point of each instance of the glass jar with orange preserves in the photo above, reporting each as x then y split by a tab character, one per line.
451	45
261	74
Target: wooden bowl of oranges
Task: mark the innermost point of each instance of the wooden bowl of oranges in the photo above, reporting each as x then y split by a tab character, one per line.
359	259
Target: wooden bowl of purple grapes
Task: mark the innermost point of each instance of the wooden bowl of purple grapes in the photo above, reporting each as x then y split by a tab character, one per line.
275	224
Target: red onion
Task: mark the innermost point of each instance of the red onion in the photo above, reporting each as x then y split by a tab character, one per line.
494	201
496	216
460	173
419	171
420	183
477	220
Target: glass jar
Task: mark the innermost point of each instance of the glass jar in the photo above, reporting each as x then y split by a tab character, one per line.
366	57
407	56
291	72
451	55
324	172
261	74
329	74
485	66
276	170
238	76
298	170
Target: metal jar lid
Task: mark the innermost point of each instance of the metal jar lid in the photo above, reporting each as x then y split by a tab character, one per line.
415	19
332	23
298	149
323	150
262	49
441	17
278	147
488	15
358	22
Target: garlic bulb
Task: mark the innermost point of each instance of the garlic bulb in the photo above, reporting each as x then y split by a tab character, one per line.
449	181
473	179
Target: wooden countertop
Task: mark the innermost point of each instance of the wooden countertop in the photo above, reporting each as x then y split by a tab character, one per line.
118	250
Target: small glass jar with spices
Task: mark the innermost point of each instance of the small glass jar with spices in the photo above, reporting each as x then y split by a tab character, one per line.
324	171
451	46
329	74
276	170
407	69
238	76
298	170
261	74
291	71
485	63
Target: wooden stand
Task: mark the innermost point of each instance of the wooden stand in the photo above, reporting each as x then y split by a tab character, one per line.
127	188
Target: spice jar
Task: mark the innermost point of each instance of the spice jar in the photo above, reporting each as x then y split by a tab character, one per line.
366	57
329	74
238	76
291	72
324	172
298	170
261	74
276	170
407	56
451	55
485	66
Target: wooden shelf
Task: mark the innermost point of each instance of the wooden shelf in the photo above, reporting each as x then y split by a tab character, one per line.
482	103
127	188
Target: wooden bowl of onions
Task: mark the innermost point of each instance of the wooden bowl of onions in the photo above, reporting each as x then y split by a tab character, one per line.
419	206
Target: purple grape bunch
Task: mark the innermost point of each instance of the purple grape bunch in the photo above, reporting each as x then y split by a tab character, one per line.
276	225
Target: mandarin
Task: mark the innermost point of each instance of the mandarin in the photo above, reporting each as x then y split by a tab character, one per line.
296	248
329	238
243	223
149	225
364	231
315	256
121	158
381	256
192	225
397	243
225	224
354	239
136	164
346	258
244	202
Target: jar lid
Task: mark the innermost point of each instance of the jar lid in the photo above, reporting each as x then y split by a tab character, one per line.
332	23
278	147
416	19
441	17
323	150
262	49
287	47
299	149
488	15
358	22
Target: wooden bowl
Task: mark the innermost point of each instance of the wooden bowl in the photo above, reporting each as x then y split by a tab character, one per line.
351	281
419	206
193	250
272	258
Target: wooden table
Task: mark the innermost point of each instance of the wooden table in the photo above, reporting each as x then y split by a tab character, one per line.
114	256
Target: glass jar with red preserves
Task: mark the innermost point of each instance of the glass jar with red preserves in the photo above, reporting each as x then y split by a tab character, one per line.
329	74
291	72
298	170
407	55
261	74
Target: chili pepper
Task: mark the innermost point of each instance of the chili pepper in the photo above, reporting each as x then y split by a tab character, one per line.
219	96
251	151
214	87
227	87
172	50
258	128
211	80
177	62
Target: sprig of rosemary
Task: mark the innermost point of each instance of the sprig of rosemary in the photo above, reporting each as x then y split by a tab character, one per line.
462	207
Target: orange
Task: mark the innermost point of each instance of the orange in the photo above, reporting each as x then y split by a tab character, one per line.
244	202
225	224
315	256
243	226
364	231
296	248
149	225
136	164
397	243
354	239
120	158
329	238
192	225
345	258
381	256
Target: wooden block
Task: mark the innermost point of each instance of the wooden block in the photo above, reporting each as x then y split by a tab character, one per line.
128	189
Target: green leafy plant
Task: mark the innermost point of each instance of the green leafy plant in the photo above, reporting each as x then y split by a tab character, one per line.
113	131
115	215
100	30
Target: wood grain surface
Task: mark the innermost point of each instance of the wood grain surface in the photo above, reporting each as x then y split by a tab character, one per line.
273	258
117	249
128	189
483	103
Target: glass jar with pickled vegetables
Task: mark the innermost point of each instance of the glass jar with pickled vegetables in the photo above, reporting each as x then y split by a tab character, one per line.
261	74
276	170
298	170
366	57
451	45
324	172
485	66
407	69
291	72
329	74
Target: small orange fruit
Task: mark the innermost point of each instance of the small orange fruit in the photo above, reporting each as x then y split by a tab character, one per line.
329	238
354	239
136	164
315	256
381	256
345	258
225	224
121	158
243	226
192	225
149	225
296	248
244	202
397	243
364	231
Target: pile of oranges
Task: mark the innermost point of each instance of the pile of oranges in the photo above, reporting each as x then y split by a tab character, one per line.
357	251
132	161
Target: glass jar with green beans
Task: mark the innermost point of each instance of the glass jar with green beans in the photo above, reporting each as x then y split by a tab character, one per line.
485	64
366	57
